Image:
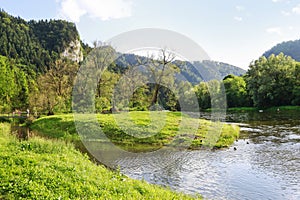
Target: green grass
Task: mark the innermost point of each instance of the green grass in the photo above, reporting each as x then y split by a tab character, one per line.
57	126
139	131
242	109
53	169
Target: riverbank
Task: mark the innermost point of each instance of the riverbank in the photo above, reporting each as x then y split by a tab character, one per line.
39	168
277	108
140	133
265	164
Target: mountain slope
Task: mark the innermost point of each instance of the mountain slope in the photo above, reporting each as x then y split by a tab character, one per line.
289	48
37	43
217	70
194	72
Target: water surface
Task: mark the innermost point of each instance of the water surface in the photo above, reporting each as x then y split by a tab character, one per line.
265	164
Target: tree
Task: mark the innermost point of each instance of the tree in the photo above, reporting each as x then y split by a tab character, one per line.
105	90
7	85
94	83
186	97
35	43
55	87
296	89
161	71
132	91
14	88
270	80
21	97
236	91
203	95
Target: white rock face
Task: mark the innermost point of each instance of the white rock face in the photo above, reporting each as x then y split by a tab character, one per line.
73	51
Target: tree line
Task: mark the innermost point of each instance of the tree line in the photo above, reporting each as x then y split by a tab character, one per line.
272	81
269	82
34	75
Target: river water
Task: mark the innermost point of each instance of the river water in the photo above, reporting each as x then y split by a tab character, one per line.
263	164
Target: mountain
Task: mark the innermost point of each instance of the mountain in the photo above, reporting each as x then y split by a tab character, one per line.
217	70
289	48
194	72
38	43
34	73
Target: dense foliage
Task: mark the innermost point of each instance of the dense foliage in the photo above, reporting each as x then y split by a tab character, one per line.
269	82
14	85
33	72
35	76
35	43
236	92
274	81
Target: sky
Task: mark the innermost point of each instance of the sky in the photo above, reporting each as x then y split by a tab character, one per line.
231	31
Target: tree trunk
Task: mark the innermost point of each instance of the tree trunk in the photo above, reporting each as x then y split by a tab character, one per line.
155	95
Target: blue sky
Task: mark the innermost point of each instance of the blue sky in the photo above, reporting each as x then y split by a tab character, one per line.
232	31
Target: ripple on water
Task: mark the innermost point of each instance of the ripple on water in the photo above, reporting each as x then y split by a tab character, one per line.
266	165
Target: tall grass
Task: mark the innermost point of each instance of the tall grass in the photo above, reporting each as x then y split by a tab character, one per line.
51	169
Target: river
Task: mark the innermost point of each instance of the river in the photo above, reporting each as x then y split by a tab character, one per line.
263	164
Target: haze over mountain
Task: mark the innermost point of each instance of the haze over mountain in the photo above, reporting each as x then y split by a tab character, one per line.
194	72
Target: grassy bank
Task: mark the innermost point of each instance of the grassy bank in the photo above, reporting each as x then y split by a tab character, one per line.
242	109
51	169
144	130
266	109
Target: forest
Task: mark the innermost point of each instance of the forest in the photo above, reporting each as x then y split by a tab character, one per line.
35	75
290	48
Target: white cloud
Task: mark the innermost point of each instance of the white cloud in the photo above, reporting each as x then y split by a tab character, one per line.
291	28
70	10
274	30
285	13
103	9
276	1
240	8
239	19
296	9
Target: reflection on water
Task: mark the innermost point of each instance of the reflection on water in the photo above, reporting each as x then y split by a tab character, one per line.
266	164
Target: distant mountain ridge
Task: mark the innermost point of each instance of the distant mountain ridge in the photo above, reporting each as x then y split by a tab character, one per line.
289	48
39	43
194	72
217	70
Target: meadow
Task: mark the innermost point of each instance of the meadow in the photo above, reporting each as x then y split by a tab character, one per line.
140	130
40	168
